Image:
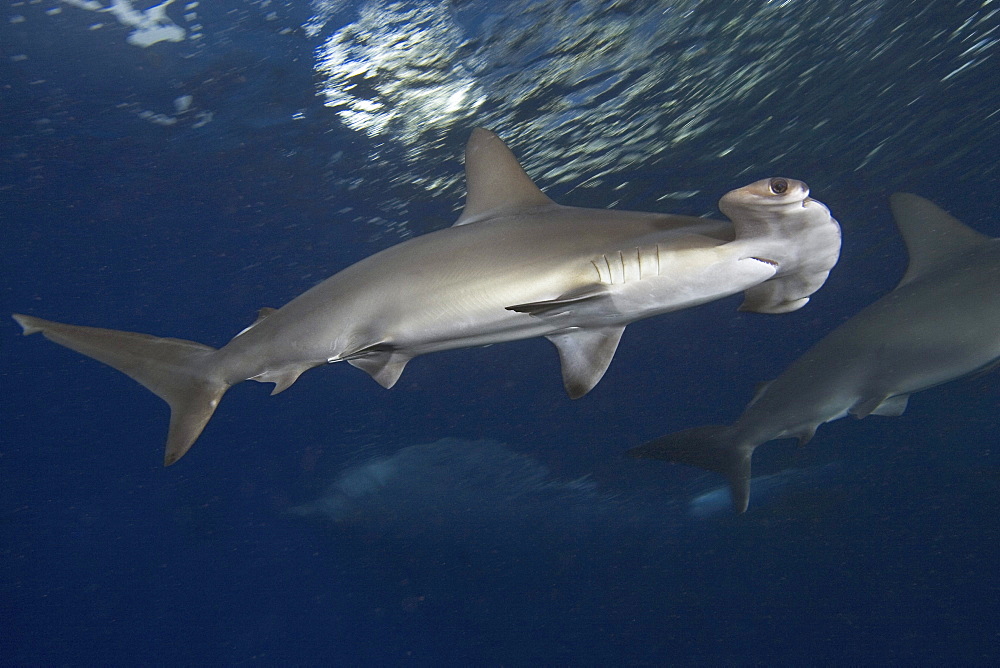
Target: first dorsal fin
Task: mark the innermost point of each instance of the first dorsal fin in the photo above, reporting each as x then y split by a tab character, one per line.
930	233
495	181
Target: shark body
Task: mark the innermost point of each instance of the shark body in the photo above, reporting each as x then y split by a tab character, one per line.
941	322
515	265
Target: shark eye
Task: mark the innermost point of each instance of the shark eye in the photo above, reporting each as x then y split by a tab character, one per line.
778	186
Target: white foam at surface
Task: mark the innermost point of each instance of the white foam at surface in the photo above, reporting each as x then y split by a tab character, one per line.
183	103
158	119
151	26
184	109
629	85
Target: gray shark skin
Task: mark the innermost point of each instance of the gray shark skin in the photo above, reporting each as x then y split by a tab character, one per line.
939	323
515	265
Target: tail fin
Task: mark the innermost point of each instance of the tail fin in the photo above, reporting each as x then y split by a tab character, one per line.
714	448
179	372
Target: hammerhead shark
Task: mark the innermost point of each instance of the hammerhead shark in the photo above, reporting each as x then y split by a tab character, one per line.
939	323
515	265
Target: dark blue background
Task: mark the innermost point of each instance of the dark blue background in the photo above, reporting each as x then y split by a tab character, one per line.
112	221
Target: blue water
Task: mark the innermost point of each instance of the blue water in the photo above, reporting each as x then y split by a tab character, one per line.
473	515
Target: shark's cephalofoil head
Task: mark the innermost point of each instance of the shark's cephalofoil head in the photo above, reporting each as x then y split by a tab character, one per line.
777	221
775	196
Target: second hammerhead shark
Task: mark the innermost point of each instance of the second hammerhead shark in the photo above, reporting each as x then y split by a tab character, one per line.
940	323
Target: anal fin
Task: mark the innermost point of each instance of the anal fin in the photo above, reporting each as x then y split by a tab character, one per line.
282	378
585	355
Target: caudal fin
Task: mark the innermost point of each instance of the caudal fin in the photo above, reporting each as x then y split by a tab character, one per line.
714	448
179	372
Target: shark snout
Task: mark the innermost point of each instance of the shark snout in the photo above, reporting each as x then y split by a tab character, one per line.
804	193
809	201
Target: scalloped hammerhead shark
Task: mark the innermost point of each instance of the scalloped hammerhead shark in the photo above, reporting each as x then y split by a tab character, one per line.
515	265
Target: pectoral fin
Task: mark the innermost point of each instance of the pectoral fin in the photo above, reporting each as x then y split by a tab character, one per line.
590	295
781	295
893	406
585	355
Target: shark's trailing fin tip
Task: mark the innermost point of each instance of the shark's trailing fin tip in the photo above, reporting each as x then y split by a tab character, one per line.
25	321
714	448
182	373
